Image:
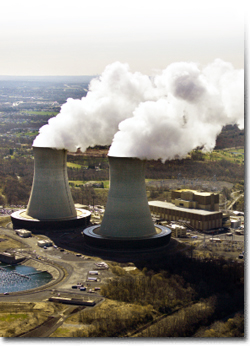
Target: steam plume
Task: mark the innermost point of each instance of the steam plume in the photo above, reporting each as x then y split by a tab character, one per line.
182	107
198	104
94	119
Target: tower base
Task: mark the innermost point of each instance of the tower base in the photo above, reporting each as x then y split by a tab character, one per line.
21	220
94	239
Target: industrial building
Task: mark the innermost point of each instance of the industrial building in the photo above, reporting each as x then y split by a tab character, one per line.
50	204
127	222
192	199
74	301
178	231
235	223
11	258
199	219
23	233
45	242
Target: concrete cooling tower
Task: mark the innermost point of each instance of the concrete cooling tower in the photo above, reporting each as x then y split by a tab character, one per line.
127	221
50	204
50	197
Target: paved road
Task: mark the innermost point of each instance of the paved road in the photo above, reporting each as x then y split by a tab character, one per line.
234	201
45	329
50	326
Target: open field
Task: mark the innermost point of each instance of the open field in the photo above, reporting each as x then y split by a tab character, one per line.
16	318
42	113
8	243
73	165
235	155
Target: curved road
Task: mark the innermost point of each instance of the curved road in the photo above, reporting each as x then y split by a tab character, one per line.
72	268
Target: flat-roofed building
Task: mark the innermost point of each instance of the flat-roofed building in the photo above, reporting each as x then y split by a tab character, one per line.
11	258
24	233
195	199
199	219
43	243
178	231
235	223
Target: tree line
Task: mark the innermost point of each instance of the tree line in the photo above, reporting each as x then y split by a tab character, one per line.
202	290
171	297
189	169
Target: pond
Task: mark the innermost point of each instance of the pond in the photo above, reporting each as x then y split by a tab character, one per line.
15	278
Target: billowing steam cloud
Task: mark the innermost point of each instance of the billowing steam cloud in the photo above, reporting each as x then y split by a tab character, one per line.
94	119
167	116
197	105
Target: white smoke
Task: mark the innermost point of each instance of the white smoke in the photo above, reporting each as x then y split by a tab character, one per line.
182	107
94	119
198	104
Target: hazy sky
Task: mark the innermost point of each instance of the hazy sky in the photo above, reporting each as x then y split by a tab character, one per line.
79	37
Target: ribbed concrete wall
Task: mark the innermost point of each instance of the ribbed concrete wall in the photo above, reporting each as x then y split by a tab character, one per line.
127	213
50	197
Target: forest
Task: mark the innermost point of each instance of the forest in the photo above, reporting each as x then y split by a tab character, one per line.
17	169
176	296
17	175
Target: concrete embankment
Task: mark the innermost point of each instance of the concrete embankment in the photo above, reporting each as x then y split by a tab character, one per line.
52	270
56	272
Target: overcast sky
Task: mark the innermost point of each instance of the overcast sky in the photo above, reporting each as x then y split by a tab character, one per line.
80	37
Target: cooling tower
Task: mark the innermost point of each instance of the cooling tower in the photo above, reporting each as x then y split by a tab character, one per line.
50	197
50	204
127	214
127	221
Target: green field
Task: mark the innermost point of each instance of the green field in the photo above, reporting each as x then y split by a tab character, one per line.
42	113
106	184
82	182
28	133
77	182
230	154
73	165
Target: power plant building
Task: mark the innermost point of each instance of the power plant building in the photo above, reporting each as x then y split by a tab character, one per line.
200	219
195	199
